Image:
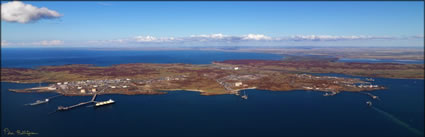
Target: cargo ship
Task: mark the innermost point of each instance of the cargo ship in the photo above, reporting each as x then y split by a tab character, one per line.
110	101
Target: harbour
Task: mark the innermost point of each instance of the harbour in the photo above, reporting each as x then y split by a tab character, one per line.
97	104
151	109
64	108
275	111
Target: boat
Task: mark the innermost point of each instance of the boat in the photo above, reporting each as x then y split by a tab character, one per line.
370	79
110	101
369	103
244	96
61	108
39	102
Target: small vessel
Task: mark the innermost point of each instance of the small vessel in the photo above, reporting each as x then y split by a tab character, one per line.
39	102
370	79
244	96
60	108
110	101
369	103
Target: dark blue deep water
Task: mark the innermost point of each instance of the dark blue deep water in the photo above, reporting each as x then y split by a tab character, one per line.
185	113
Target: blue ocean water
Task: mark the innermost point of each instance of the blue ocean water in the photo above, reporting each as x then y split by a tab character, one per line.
382	61
186	113
32	57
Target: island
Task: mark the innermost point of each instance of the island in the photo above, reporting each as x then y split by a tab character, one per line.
220	77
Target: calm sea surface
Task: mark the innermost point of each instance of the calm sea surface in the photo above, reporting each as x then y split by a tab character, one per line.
184	113
382	61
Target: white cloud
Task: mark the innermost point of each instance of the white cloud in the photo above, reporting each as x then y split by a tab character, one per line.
256	37
248	39
37	43
48	43
211	36
332	38
152	39
145	38
227	38
20	12
4	43
218	40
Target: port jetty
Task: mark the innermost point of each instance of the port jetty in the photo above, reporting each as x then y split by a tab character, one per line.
62	108
224	77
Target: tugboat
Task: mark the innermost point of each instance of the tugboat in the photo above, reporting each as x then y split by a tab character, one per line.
244	96
62	108
39	102
369	103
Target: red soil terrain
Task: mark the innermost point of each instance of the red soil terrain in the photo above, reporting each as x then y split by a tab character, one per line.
389	70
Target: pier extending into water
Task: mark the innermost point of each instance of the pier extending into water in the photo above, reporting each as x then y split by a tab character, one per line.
62	108
371	95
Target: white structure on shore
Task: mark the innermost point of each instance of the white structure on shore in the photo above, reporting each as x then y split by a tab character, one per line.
237	84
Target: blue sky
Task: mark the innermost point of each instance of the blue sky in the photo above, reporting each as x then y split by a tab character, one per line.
382	24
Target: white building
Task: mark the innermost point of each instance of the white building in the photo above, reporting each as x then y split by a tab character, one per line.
93	90
83	91
308	87
59	83
113	87
79	87
237	84
65	83
63	87
236	68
